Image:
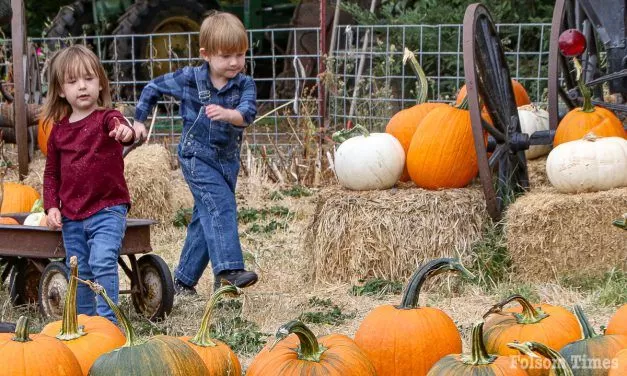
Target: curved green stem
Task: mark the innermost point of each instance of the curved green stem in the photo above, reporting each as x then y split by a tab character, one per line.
203	337
21	330
430	269
309	348
344	134
69	325
560	366
479	354
423	86
585	90
126	324
529	315
464	104
586	328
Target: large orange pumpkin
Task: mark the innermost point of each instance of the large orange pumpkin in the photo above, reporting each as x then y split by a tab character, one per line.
579	122
618	322
619	364
43	133
520	94
18	198
218	357
551	325
87	337
408	339
557	365
23	355
478	362
297	352
442	151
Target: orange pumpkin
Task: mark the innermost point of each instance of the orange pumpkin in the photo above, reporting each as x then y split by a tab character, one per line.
579	122
218	357
600	349
87	337
392	336
551	325
22	354
43	133
478	363
8	221
619	364
18	198
557	365
618	323
520	94
298	352
442	152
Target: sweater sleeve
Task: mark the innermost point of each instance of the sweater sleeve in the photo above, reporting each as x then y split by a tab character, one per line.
109	121
52	174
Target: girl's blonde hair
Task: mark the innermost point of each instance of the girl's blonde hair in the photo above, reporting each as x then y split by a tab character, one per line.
66	64
223	32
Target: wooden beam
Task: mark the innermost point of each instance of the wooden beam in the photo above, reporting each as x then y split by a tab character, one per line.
18	45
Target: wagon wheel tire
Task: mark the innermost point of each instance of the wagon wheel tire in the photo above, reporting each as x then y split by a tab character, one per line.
7	327
24	283
150	17
53	287
157	299
69	22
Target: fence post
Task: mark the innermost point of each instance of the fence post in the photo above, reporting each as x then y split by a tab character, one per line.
18	44
321	63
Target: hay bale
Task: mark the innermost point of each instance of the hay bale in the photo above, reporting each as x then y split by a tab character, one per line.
181	197
388	234
536	169
147	171
551	235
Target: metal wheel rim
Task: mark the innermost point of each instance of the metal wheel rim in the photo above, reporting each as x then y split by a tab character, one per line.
54	289
150	299
158	48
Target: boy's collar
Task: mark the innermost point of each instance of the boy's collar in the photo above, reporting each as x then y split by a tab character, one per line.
205	70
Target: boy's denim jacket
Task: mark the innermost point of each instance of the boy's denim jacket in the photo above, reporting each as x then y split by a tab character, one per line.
192	86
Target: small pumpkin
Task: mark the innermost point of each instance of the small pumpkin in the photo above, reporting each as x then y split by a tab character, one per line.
478	362
87	337
552	325
369	161
159	355
442	152
533	119
391	336
520	94
43	133
18	198
530	348
8	221
404	123
298	352
600	349
24	355
619	364
218	356
588	165
618	322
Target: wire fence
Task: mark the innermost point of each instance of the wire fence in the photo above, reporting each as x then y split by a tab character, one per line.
366	81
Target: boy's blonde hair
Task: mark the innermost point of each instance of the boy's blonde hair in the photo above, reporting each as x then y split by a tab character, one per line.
69	63
224	33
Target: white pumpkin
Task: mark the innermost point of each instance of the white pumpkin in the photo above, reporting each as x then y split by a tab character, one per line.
373	161
534	119
35	219
588	165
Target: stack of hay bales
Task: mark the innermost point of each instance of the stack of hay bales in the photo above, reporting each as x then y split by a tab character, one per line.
551	235
388	234
536	169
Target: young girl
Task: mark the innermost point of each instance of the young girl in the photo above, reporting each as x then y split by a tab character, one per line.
85	193
217	103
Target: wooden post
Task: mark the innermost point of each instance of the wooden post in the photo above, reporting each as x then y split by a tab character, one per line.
322	62
18	45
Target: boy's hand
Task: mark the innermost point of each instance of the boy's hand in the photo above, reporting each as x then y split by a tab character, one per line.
215	112
140	130
121	133
54	218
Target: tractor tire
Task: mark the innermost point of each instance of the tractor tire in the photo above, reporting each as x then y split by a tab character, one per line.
154	16
69	22
5	12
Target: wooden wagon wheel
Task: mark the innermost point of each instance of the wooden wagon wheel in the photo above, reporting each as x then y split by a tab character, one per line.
562	86
504	174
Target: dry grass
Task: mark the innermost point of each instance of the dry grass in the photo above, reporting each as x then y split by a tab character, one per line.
387	234
537	173
552	235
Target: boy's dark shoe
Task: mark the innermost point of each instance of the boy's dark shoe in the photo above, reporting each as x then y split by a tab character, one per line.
182	289
239	278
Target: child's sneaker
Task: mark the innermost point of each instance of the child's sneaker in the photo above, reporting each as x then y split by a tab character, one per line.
182	289
239	278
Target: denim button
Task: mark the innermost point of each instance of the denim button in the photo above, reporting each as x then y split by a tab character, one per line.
191	136
188	143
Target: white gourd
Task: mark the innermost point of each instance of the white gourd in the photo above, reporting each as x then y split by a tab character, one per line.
534	119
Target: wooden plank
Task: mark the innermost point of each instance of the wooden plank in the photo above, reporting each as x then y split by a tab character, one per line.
18	44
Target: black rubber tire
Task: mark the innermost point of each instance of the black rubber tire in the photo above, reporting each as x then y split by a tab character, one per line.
24	283
69	22
7	327
53	286
157	299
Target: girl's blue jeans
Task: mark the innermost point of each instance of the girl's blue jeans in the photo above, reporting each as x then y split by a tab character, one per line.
96	242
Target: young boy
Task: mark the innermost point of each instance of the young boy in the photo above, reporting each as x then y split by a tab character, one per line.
217	103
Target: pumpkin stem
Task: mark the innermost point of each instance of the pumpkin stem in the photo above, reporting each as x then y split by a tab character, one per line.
430	269
464	104
128	328
344	134
529	315
586	328
21	330
585	91
479	354
559	364
590	136
69	326
423	86
310	349
203	337
621	222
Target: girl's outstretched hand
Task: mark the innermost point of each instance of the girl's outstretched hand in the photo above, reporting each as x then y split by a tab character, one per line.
54	218
121	133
